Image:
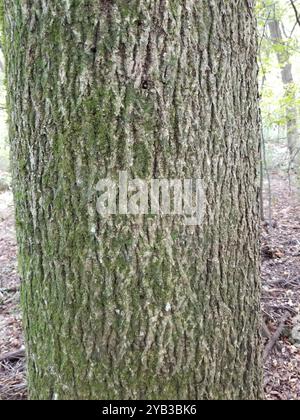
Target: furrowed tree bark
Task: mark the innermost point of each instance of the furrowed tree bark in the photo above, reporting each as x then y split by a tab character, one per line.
127	307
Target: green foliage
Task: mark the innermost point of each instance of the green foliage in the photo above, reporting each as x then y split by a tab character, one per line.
279	101
1	15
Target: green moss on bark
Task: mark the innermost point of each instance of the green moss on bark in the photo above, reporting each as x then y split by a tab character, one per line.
125	307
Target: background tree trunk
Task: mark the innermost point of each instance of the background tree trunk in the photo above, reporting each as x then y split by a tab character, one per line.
120	307
288	83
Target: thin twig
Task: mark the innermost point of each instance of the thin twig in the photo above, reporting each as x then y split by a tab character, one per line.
10	290
12	357
296	11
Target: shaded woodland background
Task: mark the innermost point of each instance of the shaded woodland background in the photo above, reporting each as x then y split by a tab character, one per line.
279	61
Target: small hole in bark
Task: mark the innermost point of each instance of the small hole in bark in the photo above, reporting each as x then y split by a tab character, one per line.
145	84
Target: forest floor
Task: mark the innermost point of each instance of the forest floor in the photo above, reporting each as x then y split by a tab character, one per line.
12	371
280	249
280	299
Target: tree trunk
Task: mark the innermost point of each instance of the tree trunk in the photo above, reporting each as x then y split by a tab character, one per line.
288	83
127	307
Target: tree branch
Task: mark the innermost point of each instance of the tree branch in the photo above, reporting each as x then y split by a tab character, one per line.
12	357
269	347
296	11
